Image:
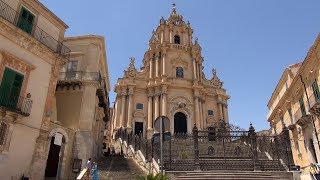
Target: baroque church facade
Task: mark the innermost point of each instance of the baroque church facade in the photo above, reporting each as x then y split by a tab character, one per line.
171	83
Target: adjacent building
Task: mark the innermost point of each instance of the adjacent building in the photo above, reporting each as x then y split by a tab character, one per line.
31	55
80	109
53	94
295	104
171	83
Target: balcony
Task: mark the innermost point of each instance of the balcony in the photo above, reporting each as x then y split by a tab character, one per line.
178	46
302	119
314	105
9	14
75	78
103	97
16	104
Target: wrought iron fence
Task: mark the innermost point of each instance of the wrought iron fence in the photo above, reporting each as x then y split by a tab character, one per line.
221	147
16	103
79	76
9	14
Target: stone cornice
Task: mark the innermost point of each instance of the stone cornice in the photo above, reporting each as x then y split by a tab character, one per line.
26	41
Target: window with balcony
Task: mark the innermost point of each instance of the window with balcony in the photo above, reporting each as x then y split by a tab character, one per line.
315	89
179	72
10	88
25	21
71	69
210	112
177	39
290	115
139	106
302	107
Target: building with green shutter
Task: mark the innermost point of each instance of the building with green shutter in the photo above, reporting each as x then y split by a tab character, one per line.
295	104
31	55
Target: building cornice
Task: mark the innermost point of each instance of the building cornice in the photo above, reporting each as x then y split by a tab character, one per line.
27	42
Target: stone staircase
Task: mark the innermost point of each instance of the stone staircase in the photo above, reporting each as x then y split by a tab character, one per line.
227	175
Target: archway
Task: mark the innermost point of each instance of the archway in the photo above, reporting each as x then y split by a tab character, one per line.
180	123
52	165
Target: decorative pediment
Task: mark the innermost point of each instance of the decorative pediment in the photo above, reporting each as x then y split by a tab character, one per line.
180	99
180	62
139	114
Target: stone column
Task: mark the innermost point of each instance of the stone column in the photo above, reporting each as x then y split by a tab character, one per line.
123	107
129	122
201	114
199	71
225	112
150	112
164	101
220	110
204	114
151	68
194	69
196	107
170	35
156	106
162	36
116	122
163	64
157	65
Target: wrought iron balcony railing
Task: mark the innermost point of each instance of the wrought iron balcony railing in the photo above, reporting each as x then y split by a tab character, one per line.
9	14
21	105
79	76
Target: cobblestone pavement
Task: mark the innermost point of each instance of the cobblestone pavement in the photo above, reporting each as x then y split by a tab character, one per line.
118	167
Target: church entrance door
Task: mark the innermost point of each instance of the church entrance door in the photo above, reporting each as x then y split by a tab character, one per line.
180	123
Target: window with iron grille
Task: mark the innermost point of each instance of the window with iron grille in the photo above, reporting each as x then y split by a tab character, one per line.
210	112
25	21
179	72
315	89
139	106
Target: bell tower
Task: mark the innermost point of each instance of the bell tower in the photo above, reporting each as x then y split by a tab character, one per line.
170	83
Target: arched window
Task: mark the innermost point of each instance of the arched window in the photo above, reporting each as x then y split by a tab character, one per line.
3	132
139	106
177	39
210	112
179	72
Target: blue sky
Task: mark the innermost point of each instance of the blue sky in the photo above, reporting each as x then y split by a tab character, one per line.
249	42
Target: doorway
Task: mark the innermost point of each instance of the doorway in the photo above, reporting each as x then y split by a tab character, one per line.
53	159
180	123
138	128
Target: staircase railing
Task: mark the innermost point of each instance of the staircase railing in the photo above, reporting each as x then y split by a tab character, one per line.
215	149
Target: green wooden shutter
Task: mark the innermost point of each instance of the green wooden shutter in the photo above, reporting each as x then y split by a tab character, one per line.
15	90
26	20
6	86
10	88
315	89
302	107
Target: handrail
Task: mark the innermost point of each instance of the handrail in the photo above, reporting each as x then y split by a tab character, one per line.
17	103
79	76
9	14
82	173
